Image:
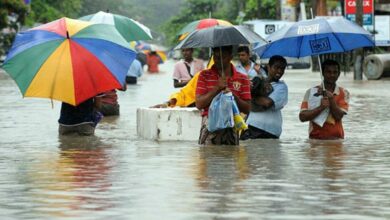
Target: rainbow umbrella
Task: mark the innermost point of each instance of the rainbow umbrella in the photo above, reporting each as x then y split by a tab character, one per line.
130	29
200	24
69	60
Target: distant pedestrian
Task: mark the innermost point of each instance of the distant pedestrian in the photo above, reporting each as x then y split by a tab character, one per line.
109	105
330	104
135	71
185	69
152	61
246	65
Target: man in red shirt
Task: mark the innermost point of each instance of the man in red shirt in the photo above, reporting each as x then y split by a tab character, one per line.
222	76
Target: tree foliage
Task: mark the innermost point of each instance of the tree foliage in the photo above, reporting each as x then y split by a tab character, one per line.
12	15
234	11
43	11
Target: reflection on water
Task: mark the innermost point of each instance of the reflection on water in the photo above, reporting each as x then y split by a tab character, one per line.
119	176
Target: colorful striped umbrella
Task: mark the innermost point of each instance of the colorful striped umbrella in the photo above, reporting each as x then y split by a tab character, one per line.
200	24
69	60
130	29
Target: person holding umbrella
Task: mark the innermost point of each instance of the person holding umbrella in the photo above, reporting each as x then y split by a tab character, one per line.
333	101
222	76
71	61
81	119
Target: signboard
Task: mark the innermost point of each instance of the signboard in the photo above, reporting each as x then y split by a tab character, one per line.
368	11
382	30
287	11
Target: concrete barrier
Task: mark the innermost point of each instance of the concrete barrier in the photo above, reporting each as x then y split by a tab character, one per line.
376	66
168	124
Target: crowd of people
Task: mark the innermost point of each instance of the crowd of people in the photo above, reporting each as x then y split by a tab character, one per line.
259	92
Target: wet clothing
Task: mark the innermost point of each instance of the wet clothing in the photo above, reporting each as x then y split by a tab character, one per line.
81	119
271	120
72	115
184	71
251	72
238	84
332	129
131	80
109	103
135	69
256	133
85	129
225	136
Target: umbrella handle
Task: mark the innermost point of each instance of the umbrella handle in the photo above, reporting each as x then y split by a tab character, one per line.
322	77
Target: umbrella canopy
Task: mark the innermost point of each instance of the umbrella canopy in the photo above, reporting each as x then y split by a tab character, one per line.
69	60
130	29
219	36
146	48
141	45
200	24
316	36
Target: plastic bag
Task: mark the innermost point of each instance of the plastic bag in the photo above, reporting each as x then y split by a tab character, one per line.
221	112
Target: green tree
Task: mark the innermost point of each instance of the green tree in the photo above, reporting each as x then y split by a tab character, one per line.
12	17
43	11
192	10
94	6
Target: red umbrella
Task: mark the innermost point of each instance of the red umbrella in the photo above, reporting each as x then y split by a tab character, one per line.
200	24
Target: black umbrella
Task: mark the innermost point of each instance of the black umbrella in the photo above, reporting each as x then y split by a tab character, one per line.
219	36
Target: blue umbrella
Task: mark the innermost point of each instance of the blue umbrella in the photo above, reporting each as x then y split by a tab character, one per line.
314	37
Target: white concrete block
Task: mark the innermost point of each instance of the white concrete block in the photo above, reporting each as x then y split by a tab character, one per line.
169	124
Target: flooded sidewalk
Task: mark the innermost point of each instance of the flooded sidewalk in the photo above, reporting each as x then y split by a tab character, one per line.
117	175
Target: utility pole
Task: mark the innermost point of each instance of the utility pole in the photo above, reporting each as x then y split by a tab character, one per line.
321	9
278	10
358	66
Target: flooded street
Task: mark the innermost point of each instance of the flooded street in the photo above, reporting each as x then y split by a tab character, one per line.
117	175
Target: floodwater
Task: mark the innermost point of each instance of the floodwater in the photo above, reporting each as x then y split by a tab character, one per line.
117	175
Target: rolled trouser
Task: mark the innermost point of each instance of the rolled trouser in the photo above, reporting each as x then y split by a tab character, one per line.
226	136
86	128
131	80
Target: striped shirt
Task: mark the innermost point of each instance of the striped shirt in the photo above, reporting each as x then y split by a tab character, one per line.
332	129
238	84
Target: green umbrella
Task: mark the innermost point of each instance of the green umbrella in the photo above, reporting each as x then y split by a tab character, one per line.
130	29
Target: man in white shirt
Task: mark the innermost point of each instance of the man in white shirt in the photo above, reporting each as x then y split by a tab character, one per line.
268	122
246	65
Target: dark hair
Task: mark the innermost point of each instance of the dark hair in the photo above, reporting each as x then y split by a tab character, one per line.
329	62
228	48
276	58
243	49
